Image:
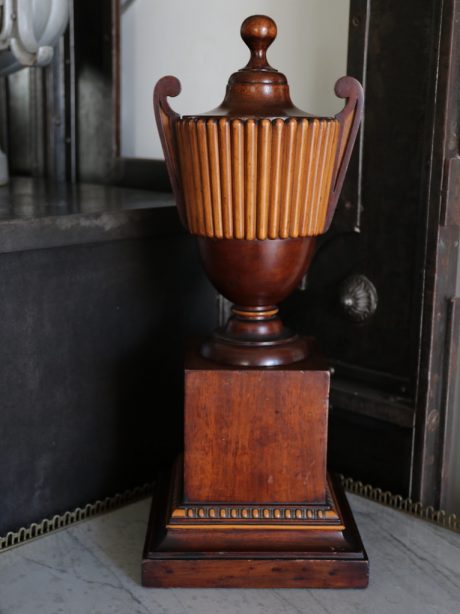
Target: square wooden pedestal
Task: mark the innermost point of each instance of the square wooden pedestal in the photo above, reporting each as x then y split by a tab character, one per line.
249	504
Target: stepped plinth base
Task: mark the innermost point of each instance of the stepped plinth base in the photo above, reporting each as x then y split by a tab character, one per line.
251	546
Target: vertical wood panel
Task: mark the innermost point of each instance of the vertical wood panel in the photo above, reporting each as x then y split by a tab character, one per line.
264	176
288	178
237	160
205	179
250	179
196	200
214	171
267	416
276	170
300	169
226	177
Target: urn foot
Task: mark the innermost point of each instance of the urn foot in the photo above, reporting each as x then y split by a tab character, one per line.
267	354
255	337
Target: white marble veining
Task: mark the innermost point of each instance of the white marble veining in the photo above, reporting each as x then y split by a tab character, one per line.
94	568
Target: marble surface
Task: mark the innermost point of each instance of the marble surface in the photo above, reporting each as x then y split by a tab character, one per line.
94	568
25	198
37	215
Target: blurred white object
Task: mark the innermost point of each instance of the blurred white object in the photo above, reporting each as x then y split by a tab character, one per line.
28	31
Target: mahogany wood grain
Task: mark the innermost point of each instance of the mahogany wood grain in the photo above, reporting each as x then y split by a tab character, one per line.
256	276
253	558
255	435
279	265
249	573
166	119
350	120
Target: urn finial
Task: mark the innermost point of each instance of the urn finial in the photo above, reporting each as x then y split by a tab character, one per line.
258	32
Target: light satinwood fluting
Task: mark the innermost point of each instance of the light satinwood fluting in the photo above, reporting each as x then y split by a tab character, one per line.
265	136
225	177
250	183
236	155
276	170
287	177
257	178
216	199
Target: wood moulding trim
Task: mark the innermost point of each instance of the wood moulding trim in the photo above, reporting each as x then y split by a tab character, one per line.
247	513
284	527
255	557
241	516
219	515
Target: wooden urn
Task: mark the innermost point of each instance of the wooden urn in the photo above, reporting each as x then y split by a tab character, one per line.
250	504
256	180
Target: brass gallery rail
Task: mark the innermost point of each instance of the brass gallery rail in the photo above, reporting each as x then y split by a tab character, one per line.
58	522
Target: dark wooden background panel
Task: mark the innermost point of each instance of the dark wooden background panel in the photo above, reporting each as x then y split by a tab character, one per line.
370	450
441	255
386	247
391	368
91	377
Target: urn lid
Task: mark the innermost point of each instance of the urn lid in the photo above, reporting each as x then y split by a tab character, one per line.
258	89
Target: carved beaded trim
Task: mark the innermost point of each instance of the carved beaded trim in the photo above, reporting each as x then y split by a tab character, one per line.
249	513
220	513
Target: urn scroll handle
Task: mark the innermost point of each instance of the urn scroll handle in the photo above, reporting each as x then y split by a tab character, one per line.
349	119
165	119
